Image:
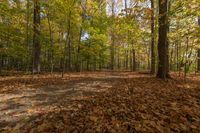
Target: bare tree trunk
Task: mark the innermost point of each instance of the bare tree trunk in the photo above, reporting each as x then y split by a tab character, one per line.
36	37
64	59
78	61
168	25
51	43
153	65
171	59
198	52
186	59
118	59
27	35
177	56
69	55
162	41
112	49
198	66
69	43
112	53
79	49
133	60
1	63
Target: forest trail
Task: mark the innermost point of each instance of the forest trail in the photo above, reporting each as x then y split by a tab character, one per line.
99	101
23	98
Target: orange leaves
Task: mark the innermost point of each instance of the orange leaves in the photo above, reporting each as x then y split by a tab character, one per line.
131	103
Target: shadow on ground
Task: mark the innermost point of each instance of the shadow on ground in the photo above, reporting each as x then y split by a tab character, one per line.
119	102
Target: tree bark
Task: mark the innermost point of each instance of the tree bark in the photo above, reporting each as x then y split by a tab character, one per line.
133	61
78	61
162	40
79	49
153	65
1	64
112	49
51	43
198	67
69	43
36	37
27	35
168	25
198	52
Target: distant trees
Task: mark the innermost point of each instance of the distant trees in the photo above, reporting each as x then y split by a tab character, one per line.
71	35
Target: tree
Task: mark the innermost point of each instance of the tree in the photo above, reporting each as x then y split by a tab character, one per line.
152	39
162	39
36	37
112	48
198	52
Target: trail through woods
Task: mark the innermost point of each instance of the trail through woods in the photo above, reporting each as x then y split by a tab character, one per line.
99	101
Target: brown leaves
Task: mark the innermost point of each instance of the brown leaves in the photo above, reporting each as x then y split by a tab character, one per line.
140	103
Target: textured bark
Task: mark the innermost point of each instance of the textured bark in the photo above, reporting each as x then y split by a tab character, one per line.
162	40
112	49
27	35
36	37
69	56
51	44
168	25
79	50
68	61
133	60
152	39
1	63
78	61
198	52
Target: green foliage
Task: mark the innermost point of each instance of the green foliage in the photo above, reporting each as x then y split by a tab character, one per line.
65	24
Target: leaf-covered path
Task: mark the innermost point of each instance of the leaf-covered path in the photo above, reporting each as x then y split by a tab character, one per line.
101	102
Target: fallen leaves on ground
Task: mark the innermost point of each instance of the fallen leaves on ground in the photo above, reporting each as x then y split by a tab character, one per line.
140	103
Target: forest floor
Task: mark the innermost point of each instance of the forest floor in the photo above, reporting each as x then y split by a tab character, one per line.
116	102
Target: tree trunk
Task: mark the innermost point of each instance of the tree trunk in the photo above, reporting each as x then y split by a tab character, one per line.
168	25
78	61
79	49
69	55
27	36
133	61
36	37
162	40
186	59
198	52
69	44
51	43
198	67
1	63
112	49
153	65
112	52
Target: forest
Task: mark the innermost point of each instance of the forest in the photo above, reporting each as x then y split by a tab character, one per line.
105	66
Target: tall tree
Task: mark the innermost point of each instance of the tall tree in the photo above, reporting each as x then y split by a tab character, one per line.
168	30
36	37
162	40
198	52
112	49
51	53
152	39
27	33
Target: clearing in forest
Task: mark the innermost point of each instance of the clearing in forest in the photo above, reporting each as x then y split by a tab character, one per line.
99	102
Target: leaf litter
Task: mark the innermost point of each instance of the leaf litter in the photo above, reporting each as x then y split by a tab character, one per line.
91	102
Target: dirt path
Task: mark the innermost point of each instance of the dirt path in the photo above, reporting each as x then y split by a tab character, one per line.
21	102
